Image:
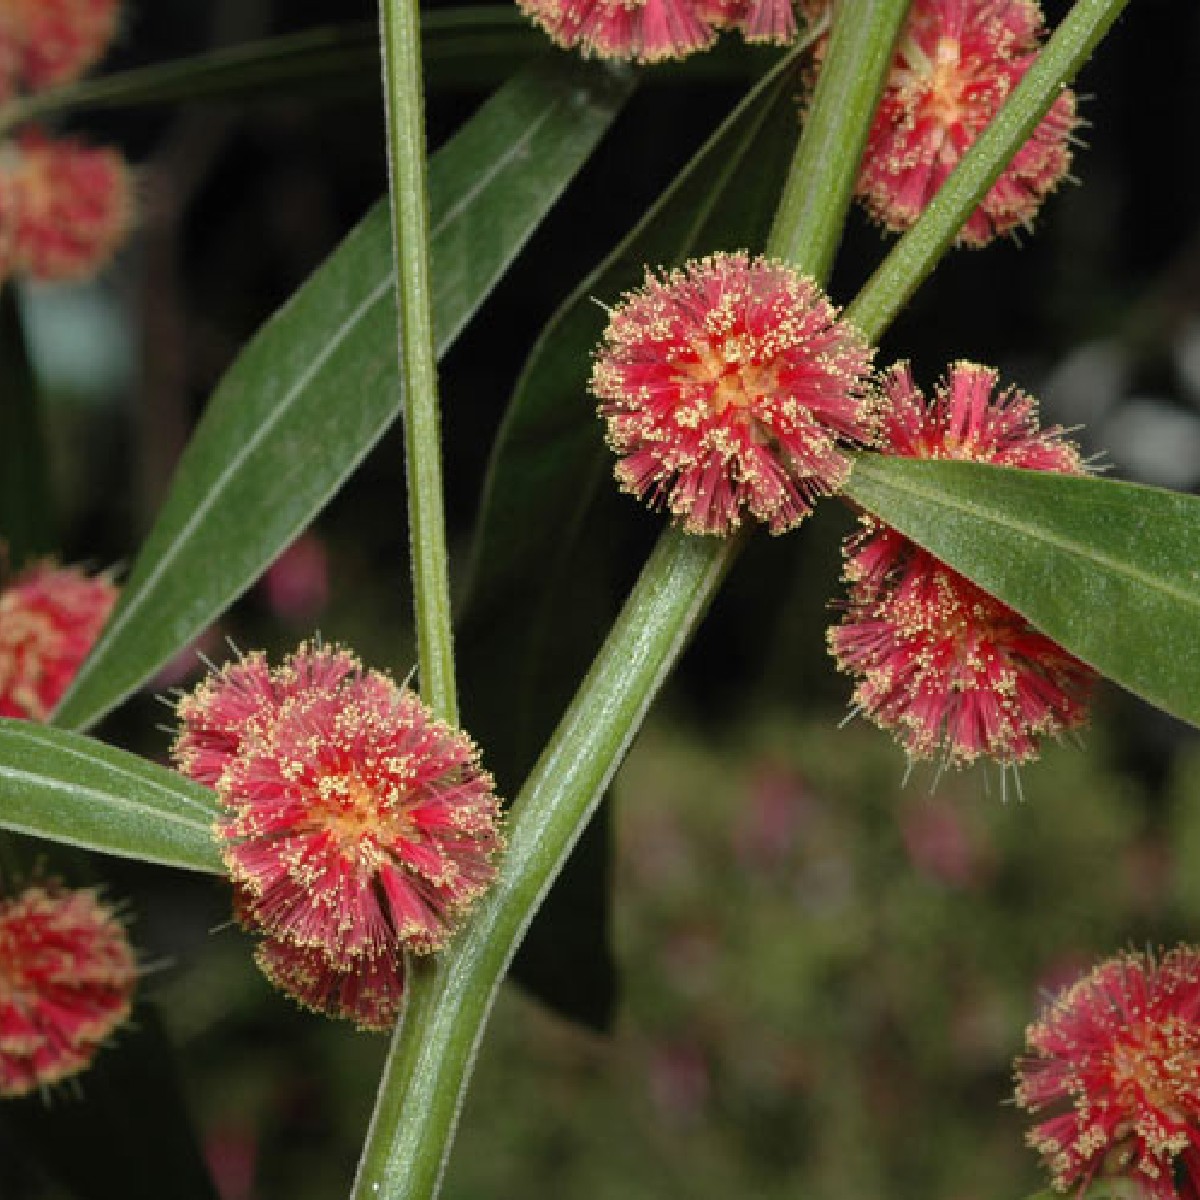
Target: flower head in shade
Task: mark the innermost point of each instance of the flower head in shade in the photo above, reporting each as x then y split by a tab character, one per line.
66	982
649	31
955	64
44	43
49	618
940	662
730	387
356	825
69	207
1115	1060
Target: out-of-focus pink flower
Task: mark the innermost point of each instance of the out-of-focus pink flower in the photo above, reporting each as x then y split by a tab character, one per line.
356	826
939	844
66	983
44	43
955	64
49	618
650	31
944	665
776	807
297	582
1116	1060
731	386
70	206
64	207
680	1080
231	1152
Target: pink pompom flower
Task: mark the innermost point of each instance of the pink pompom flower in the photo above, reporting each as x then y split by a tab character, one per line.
50	617
732	386
650	31
955	64
356	826
69	207
945	666
50	42
1116	1061
67	974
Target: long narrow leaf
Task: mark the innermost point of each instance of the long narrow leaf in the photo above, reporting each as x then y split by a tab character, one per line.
317	387
468	45
74	789
1110	570
541	599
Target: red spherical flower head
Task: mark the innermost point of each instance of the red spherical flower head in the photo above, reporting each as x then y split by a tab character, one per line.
642	30
51	42
732	386
66	982
357	826
1116	1058
944	665
49	618
72	207
955	65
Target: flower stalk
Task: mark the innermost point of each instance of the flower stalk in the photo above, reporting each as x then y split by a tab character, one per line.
915	255
400	27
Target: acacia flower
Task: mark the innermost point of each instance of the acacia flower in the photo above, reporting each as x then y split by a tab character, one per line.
49	618
649	31
64	206
69	207
355	825
66	982
45	43
940	662
731	385
1116	1059
955	64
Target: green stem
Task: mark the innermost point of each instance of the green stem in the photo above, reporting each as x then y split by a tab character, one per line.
816	197
915	255
449	1001
432	1052
400	24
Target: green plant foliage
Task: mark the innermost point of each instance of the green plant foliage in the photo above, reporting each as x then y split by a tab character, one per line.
314	391
74	789
1110	570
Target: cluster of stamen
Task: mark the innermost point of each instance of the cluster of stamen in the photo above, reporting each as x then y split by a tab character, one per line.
1116	1059
356	826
